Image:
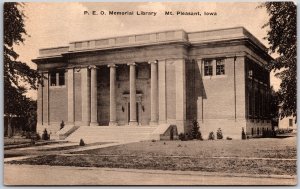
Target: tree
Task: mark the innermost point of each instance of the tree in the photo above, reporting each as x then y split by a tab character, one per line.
274	107
18	76
282	37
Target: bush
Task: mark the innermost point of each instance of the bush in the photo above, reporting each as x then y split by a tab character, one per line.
211	136
195	131
219	134
268	134
81	143
189	136
228	138
243	134
45	135
28	135
181	137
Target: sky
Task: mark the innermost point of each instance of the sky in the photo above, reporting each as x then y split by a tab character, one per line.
57	24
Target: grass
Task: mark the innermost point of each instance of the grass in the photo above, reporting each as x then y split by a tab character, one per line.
166	163
16	141
188	155
262	148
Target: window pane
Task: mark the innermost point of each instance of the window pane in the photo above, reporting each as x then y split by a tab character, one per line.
62	78
208	67
52	79
220	67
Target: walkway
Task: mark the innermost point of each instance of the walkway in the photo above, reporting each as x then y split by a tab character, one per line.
59	175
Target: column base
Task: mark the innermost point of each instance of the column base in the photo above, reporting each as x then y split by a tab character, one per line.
113	123
82	123
153	123
133	123
94	124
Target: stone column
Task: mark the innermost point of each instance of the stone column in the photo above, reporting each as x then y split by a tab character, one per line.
112	96
180	94
154	93
162	91
71	117
133	118
85	97
94	105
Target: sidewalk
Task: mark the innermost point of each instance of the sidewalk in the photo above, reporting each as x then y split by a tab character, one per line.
61	152
61	175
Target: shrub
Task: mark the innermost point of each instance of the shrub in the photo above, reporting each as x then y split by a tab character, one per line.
28	135
189	136
32	142
181	137
62	124
211	136
81	143
219	134
45	135
268	134
228	138
195	131
243	134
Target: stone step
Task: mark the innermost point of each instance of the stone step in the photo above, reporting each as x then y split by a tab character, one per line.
111	134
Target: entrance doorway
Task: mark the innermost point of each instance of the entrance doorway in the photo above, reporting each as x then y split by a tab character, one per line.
137	113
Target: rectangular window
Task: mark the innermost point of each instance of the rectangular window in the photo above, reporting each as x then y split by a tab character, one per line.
220	67
291	122
61	78
57	78
52	79
208	69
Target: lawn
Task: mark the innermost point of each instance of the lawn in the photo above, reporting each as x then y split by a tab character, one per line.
15	141
255	156
263	148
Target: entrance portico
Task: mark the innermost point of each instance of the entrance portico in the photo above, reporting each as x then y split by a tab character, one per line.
133	104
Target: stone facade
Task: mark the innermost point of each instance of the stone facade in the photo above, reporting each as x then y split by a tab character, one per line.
171	77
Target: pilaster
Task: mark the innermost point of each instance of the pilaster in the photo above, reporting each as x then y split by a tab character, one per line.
180	94
71	117
162	92
154	93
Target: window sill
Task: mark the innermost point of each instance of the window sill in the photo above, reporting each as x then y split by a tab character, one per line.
214	77
57	87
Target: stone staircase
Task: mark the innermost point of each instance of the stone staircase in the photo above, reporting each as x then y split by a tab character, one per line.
92	134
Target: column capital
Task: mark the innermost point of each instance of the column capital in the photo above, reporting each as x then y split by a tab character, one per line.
153	62
92	67
131	64
112	65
